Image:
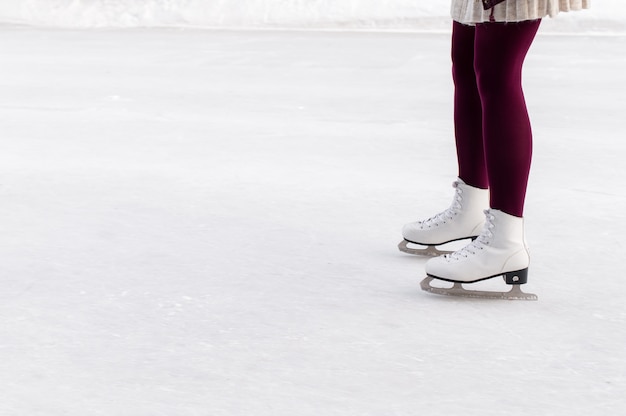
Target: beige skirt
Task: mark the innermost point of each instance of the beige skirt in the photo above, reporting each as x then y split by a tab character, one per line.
472	12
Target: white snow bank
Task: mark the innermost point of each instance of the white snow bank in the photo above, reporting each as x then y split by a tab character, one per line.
607	15
219	13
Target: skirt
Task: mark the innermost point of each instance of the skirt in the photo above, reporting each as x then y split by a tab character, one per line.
472	12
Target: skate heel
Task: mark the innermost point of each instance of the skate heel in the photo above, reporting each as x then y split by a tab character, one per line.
518	277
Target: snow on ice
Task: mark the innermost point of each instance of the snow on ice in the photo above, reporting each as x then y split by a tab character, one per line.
204	222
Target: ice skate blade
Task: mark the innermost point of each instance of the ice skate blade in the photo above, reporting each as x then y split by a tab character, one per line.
458	290
428	251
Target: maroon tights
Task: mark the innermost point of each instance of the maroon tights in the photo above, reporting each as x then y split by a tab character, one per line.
492	128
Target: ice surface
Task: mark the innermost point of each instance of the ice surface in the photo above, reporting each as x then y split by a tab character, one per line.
205	223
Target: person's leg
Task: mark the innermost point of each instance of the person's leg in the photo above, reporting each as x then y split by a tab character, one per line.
500	49
467	109
464	219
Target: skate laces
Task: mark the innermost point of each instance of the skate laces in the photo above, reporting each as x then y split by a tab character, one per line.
484	239
449	213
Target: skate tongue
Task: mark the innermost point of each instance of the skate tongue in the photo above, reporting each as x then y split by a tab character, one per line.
482	240
450	212
439	218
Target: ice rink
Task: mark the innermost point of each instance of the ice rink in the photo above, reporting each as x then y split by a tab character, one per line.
204	222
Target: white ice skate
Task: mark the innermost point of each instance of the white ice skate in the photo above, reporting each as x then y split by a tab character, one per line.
464	219
500	250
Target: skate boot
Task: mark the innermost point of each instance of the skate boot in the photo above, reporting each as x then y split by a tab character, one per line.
500	250
464	219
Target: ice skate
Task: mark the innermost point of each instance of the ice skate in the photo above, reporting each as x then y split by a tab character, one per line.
499	251
464	219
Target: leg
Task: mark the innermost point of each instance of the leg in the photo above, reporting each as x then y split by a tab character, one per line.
500	49
464	219
467	109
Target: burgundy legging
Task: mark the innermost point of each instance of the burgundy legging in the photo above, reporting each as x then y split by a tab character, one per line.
492	128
